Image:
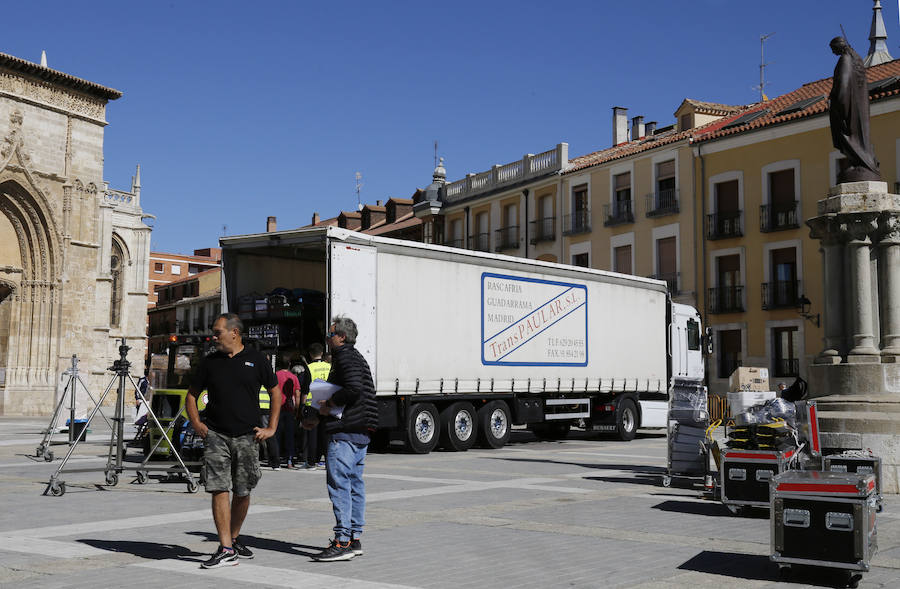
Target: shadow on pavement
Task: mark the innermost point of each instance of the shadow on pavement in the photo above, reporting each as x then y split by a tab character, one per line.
268	544
759	568
637	468
742	566
148	550
712	509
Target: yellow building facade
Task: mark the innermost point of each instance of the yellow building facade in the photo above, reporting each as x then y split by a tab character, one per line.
757	183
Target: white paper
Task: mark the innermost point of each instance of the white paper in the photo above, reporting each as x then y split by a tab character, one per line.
322	391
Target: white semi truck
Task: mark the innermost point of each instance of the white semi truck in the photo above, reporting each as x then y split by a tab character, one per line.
463	344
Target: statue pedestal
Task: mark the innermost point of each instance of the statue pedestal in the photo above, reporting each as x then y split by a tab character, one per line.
859	409
855	380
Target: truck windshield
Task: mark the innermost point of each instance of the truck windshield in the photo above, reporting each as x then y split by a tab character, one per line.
693	335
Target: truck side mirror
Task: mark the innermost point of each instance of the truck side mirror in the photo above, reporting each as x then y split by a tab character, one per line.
708	341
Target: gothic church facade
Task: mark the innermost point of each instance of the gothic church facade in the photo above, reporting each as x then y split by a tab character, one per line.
73	252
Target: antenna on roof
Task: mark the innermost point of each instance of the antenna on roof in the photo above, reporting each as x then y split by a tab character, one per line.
358	187
844	33
762	68
224	230
435	153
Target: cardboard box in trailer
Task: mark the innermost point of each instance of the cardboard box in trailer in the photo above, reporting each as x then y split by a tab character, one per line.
464	344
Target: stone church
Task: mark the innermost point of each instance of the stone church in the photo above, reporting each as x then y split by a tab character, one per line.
73	252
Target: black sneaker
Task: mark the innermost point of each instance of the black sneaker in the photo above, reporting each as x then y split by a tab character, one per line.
335	551
241	550
222	558
356	546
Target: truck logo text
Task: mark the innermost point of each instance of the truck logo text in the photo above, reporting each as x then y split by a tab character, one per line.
527	321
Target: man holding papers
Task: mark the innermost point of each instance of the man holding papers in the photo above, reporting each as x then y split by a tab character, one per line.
348	438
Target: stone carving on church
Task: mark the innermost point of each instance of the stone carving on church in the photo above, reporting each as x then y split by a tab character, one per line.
46	94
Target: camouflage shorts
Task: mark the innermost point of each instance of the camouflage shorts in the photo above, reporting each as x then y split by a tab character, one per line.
230	464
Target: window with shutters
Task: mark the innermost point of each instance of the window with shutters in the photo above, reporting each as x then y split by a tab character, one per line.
623	259
621	209
780	212
667	263
726	221
729	350
664	199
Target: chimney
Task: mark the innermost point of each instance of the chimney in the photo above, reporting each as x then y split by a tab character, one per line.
315	219
271	225
650	129
620	125
637	128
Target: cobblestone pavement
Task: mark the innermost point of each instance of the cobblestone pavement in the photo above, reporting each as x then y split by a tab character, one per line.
578	513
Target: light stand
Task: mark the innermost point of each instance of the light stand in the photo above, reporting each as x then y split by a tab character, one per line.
116	453
43	450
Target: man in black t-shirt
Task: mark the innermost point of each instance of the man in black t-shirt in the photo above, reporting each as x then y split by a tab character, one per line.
232	377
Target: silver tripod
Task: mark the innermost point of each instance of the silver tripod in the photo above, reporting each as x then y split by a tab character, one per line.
43	450
114	462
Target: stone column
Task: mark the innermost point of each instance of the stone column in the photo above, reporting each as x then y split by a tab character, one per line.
889	263
832	235
863	336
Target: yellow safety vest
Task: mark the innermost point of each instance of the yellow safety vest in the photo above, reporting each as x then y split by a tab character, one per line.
320	370
263	398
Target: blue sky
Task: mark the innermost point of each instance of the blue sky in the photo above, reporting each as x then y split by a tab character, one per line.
240	110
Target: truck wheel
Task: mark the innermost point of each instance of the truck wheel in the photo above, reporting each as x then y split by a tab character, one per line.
458	427
626	420
494	424
423	428
551	431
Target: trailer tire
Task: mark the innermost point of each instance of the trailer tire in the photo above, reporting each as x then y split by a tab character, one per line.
494	425
551	431
458	427
626	420
423	428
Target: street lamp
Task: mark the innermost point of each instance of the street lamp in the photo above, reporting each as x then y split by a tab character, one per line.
803	306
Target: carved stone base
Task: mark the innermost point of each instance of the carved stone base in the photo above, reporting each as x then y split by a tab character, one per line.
859	408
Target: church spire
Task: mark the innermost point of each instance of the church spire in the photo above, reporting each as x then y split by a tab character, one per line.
878	50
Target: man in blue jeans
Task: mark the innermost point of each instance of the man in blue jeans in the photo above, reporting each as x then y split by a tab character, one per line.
348	439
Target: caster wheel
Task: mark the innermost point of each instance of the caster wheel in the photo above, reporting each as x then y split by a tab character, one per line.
58	489
192	486
666	481
737	510
141	477
784	573
112	478
39	451
853	580
48	456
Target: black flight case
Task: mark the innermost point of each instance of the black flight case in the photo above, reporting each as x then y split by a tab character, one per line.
824	519
745	476
858	462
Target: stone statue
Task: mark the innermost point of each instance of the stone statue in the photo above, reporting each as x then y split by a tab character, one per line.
849	114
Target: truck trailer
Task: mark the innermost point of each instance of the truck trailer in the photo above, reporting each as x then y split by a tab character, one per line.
463	344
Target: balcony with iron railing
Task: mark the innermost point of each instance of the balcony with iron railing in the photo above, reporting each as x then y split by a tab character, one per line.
672	279
619	212
724	225
778	217
480	242
508	238
543	230
726	299
780	294
529	167
577	222
661	203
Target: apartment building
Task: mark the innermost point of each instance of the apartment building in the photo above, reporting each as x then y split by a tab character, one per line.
759	175
166	268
